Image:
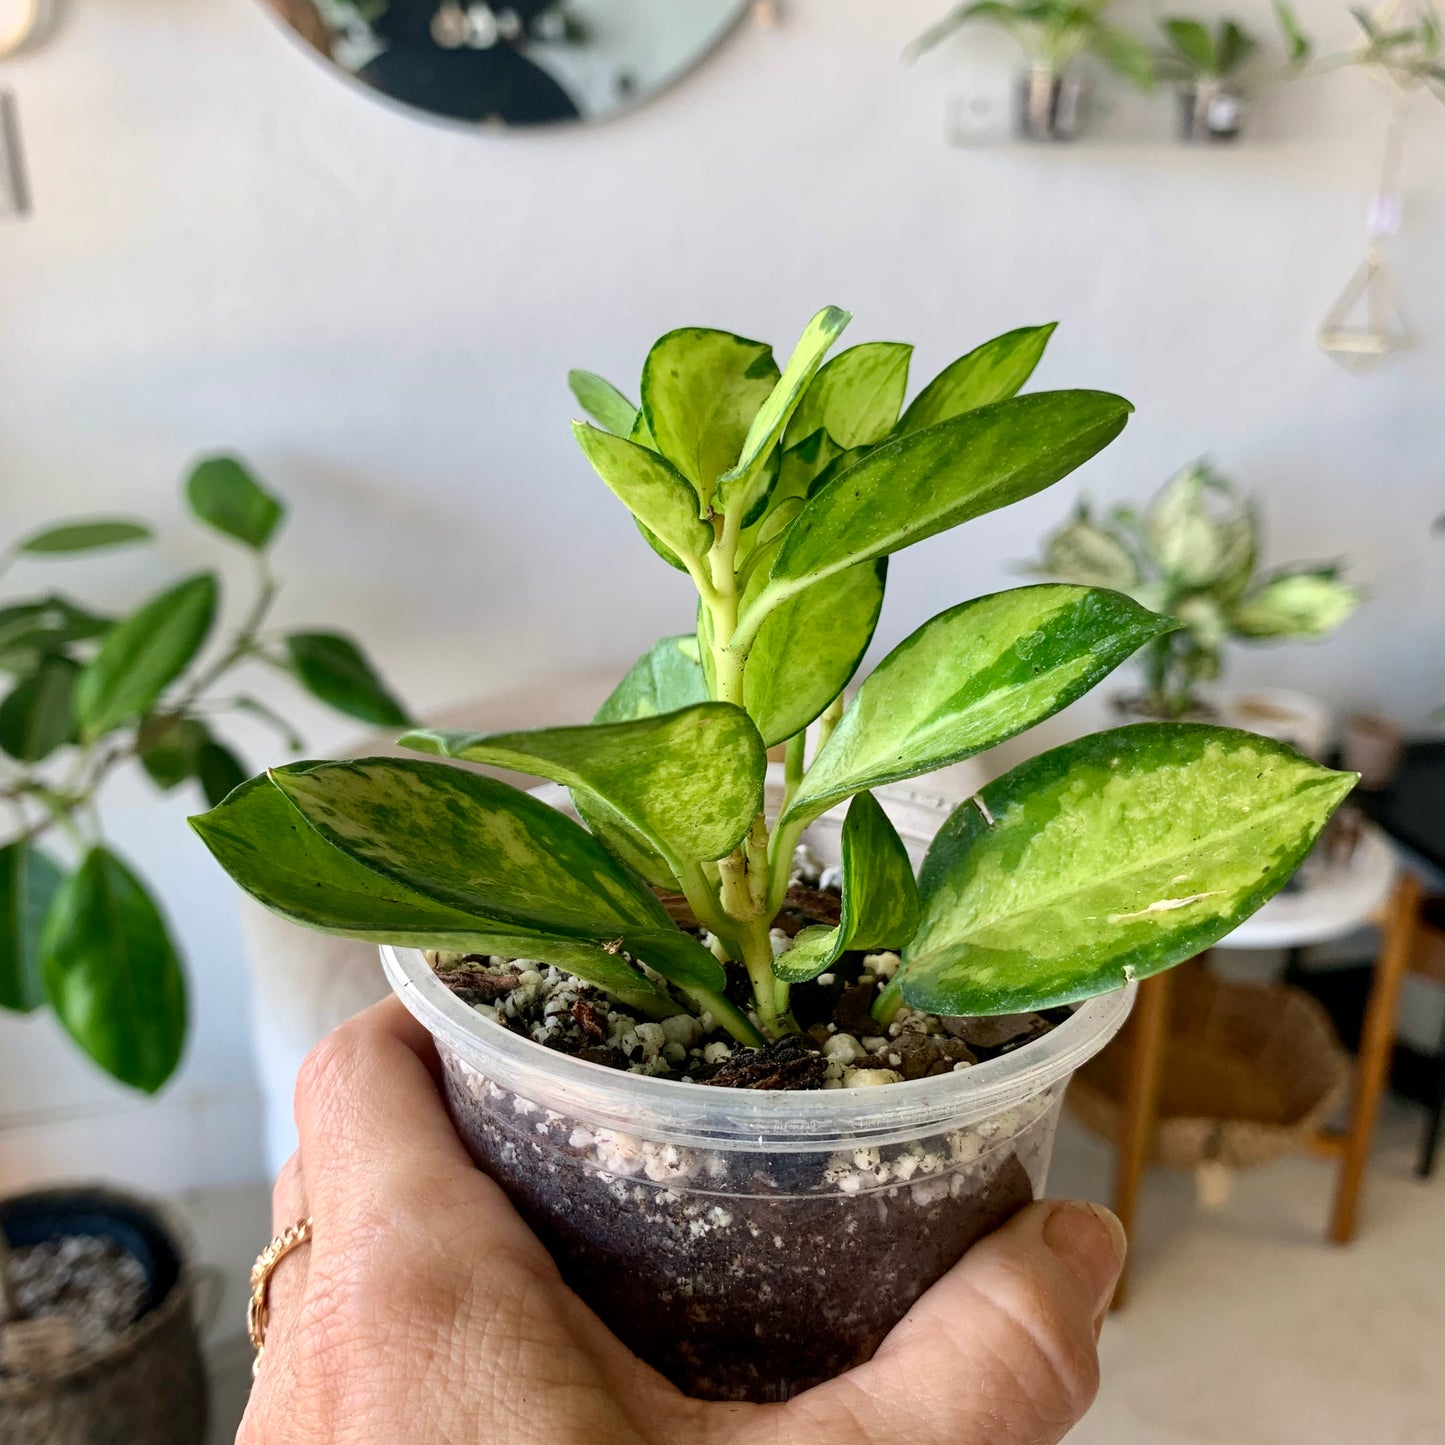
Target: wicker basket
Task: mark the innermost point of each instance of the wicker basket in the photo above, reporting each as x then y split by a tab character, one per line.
149	1387
1250	1072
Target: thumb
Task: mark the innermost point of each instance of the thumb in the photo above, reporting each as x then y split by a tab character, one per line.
1001	1348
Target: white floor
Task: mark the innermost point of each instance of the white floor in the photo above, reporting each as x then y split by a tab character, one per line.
1244	1327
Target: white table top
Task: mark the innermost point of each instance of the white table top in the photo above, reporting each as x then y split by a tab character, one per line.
1336	901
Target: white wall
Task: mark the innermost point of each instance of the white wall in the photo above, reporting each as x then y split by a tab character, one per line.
231	247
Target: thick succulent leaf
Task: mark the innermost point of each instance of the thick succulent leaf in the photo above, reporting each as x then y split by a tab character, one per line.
1083	552
1311	602
473	843
86	536
970	678
333	668
112	974
223	494
800	465
650	487
989	373
31	630
880	898
809	649
666	677
742	484
38	714
270	851
29	881
929	481
1106	860
856	397
603	402
143	654
701	390
691	781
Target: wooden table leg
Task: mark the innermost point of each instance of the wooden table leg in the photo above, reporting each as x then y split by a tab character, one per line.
1372	1064
1148	1030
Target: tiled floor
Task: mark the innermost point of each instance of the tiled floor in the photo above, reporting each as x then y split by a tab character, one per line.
1244	1327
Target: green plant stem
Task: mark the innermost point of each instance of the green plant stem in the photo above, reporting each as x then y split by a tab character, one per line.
829	720
793	767
729	1015
889	1001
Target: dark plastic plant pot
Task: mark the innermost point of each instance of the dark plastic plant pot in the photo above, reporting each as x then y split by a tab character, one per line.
149	1386
1051	105
1209	112
751	1244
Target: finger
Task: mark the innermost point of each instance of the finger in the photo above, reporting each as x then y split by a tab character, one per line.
288	1195
379	1148
287	1285
1001	1348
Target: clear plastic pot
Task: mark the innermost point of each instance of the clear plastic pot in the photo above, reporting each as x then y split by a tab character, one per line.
751	1244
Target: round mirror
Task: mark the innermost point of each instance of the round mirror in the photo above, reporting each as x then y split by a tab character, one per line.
522	62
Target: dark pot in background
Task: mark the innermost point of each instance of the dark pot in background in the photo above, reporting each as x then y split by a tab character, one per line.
1051	105
146	1388
1209	111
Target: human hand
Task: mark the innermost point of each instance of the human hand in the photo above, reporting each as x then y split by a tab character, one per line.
424	1312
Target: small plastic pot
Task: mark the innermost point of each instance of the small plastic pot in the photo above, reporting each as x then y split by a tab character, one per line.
1209	111
1050	105
751	1244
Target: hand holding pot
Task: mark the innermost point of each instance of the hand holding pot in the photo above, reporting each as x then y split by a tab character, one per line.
425	1311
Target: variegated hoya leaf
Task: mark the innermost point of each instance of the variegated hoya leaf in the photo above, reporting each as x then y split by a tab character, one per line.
603	402
992	372
1109	859
856	397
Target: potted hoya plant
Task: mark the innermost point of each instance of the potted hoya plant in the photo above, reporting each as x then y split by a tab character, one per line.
1205	65
97	1339
1193	555
760	1053
1053	34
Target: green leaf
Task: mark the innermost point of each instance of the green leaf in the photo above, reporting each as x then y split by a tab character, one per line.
650	487
168	747
856	397
492	851
810	647
333	668
38	715
29	881
741	484
992	372
1297	44
224	495
928	481
112	974
31	630
268	849
219	771
1194	42
86	536
691	781
1126	55
880	899
701	390
666	677
1109	859
1082	552
1235	45
1194	545
970	678
1311	602
143	654
603	402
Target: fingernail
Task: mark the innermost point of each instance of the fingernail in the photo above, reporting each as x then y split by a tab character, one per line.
1090	1240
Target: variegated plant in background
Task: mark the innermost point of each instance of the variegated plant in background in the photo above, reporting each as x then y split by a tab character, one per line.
1194	555
783	493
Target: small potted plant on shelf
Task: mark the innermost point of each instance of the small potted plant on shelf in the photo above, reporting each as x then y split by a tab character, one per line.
1053	34
1194	556
755	1080
1205	64
96	1335
1407	56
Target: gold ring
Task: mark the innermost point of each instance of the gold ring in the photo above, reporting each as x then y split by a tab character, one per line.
258	1311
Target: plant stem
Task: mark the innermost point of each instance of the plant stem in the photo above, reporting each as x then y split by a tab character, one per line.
829	720
729	1015
886	1005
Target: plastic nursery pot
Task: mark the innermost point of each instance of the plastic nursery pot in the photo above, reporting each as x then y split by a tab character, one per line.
1209	112
751	1244
148	1386
1050	105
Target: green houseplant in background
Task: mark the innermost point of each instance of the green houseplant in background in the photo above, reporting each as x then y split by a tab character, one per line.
1053	35
649	938
1408	55
1194	555
91	694
1205	64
